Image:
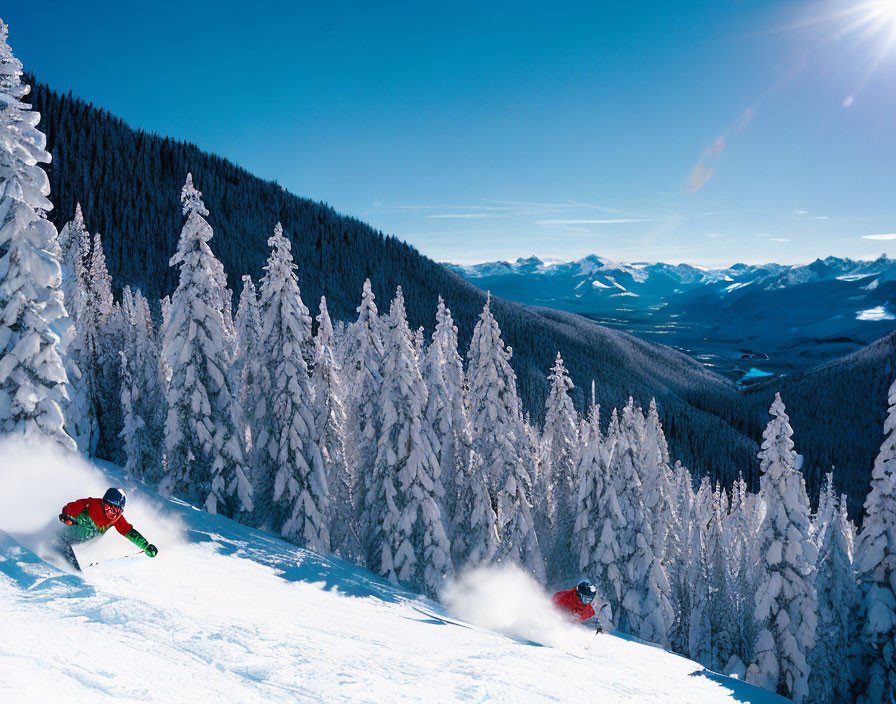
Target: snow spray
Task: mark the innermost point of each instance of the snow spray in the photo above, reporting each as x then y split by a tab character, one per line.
38	478
507	600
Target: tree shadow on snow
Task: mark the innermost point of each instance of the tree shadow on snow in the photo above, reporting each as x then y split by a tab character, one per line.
293	564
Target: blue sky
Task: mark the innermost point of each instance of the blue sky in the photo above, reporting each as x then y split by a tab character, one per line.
708	132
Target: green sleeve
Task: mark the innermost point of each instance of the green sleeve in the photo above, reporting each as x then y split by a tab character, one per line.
137	539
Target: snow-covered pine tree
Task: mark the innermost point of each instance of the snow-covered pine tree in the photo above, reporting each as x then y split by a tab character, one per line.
741	529
204	438
699	627
247	323
498	435
142	396
104	331
292	496
419	344
446	412
80	420
560	490
655	475
678	557
831	677
114	334
362	355
785	600
475	539
32	374
408	538
646	607
718	559
603	561
330	420
876	567
250	364
590	482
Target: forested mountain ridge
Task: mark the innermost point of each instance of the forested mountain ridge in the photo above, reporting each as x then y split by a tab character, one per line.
128	182
838	411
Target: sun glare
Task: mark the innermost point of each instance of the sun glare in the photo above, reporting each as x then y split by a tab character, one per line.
871	24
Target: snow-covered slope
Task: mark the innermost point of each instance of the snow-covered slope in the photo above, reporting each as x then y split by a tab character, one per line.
226	613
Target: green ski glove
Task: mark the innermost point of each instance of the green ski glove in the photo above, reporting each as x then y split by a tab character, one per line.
151	550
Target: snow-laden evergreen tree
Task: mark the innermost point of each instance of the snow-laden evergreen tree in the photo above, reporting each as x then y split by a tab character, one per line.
446	412
142	395
291	496
89	344
831	677
655	475
105	344
678	558
419	344
718	560
590	481
785	601
475	539
646	606
876	567
498	436
362	356
407	542
494	407
80	420
247	323
32	374
204	437
114	334
741	528
604	559
253	376
699	627
219	296
330	420
561	437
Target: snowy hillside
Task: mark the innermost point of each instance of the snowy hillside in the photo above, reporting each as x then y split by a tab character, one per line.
228	612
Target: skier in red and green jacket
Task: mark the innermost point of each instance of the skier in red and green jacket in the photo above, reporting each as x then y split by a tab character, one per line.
89	518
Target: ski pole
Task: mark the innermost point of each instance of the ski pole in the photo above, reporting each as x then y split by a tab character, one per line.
109	559
598	629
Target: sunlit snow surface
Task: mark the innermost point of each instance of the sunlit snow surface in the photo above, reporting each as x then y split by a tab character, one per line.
878	313
226	613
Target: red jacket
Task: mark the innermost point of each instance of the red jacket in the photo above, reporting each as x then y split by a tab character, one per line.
569	602
97	515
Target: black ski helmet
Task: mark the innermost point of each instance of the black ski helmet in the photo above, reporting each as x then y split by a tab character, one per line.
115	497
586	592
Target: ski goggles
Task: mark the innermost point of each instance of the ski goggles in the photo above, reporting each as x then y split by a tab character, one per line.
112	511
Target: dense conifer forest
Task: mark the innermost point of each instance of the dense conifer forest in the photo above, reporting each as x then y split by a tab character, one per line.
128	181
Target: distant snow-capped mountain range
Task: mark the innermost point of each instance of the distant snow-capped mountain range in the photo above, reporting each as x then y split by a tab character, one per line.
600	277
746	320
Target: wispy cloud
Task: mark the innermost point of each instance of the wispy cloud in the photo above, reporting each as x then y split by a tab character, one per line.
462	216
891	236
822	217
612	221
778	239
714	235
801	212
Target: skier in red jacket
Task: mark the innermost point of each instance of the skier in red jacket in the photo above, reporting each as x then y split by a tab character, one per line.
89	518
577	602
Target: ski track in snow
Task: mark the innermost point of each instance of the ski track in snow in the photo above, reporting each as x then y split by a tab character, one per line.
228	613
